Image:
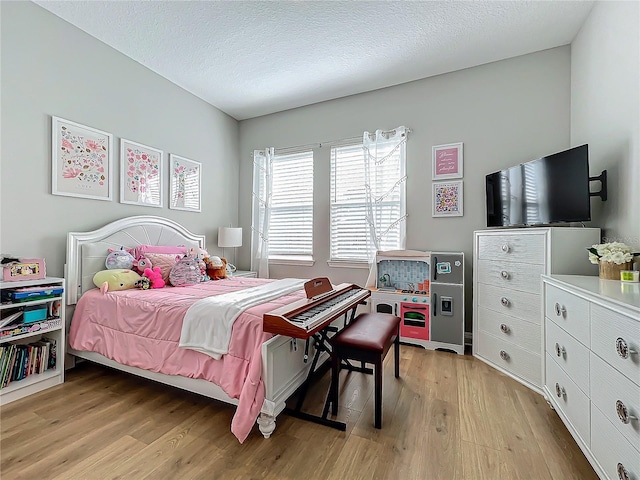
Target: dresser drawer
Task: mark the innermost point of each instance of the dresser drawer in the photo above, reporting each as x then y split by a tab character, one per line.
573	402
569	354
617	397
517	276
612	451
520	247
613	338
509	302
520	332
510	357
569	312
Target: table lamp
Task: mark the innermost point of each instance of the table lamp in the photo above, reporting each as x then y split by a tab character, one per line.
230	237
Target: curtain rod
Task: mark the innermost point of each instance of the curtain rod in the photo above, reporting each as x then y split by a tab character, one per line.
331	142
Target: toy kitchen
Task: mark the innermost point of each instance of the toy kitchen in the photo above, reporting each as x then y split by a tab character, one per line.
426	290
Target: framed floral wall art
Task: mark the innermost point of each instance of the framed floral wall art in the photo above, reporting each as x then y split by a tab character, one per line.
447	161
141	174
447	199
82	159
185	183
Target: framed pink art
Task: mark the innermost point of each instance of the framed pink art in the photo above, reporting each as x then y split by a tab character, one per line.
447	161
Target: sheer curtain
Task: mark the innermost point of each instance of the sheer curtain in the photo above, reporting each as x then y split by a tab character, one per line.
385	186
262	190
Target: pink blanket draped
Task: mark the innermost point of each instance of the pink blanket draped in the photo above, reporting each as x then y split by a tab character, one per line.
141	328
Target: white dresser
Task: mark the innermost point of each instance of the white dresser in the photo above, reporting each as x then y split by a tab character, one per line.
507	302
592	368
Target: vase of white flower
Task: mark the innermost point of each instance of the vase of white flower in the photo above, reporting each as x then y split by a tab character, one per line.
611	270
612	258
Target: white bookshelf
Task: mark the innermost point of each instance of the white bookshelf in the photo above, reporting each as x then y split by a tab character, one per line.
52	327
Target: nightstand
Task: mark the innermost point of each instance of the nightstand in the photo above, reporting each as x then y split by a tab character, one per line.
245	273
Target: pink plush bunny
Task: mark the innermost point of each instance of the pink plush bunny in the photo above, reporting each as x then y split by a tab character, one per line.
155	276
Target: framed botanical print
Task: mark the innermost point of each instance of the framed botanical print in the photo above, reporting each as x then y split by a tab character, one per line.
185	184
82	159
447	161
140	174
447	199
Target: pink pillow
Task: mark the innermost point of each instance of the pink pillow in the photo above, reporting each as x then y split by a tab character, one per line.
165	261
143	250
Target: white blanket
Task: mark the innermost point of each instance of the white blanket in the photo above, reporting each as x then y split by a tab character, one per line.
208	322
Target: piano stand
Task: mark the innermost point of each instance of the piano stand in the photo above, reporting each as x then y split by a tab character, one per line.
322	344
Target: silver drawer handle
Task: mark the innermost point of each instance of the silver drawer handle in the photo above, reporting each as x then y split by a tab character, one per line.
505	301
623	474
504	274
560	392
504	355
504	328
560	351
505	248
623	349
623	413
560	310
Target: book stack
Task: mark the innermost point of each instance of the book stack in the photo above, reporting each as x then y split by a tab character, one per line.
18	361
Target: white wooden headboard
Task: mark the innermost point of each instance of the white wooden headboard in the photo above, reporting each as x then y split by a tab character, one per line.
86	251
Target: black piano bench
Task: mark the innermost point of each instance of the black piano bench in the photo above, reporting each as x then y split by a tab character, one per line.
366	339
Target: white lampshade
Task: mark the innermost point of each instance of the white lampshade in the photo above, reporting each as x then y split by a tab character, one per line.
229	237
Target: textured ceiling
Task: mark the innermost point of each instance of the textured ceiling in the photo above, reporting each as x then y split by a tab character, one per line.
251	58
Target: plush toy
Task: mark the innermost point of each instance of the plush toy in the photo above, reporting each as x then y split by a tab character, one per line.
142	263
144	283
119	259
115	279
200	254
216	267
185	272
155	277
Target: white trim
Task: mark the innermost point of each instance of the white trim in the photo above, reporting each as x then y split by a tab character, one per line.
302	261
348	264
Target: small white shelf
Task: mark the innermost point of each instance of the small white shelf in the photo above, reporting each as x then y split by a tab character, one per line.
37	382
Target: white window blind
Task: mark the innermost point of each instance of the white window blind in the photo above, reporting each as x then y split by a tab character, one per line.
349	231
291	223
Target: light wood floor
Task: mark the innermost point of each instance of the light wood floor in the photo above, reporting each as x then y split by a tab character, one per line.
447	417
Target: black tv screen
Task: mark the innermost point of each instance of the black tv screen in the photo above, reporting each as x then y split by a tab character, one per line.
548	190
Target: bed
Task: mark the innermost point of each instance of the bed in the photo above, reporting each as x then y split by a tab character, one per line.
257	375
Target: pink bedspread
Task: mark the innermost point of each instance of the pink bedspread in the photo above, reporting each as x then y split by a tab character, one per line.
141	328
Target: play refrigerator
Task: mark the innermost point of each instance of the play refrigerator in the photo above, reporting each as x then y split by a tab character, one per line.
447	300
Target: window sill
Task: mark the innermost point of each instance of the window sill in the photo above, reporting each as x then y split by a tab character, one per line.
347	264
296	261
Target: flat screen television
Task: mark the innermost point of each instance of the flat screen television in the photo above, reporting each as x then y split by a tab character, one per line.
551	189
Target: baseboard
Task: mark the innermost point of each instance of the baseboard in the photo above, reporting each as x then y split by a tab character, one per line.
468	338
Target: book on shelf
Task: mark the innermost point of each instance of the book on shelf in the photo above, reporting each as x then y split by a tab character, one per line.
18	361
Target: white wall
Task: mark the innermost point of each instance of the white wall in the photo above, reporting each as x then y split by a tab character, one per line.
50	67
605	111
505	113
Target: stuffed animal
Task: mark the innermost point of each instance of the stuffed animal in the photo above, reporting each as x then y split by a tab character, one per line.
216	267
115	279
185	272
200	255
155	277
142	263
119	259
144	283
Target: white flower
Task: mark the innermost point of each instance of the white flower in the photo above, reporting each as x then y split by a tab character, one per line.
615	252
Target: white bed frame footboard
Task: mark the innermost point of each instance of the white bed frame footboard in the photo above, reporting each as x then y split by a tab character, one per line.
283	366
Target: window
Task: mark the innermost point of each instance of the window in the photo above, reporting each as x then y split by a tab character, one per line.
350	240
291	221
